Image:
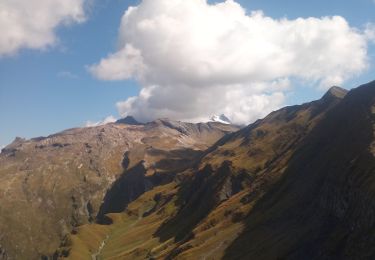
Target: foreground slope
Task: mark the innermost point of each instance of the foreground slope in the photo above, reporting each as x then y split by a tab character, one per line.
323	207
204	211
49	185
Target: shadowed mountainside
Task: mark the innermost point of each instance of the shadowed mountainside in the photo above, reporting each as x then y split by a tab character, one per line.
323	206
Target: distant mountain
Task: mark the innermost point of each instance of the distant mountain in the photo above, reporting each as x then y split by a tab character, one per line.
129	120
298	184
51	185
220	119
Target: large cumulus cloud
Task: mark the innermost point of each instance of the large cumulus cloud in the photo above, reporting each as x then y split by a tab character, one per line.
193	58
31	23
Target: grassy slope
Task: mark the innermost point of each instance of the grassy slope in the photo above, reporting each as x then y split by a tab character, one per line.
130	234
205	213
323	207
50	185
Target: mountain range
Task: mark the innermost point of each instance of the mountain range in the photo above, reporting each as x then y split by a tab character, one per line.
297	184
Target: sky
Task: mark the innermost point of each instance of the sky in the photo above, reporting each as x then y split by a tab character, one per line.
76	63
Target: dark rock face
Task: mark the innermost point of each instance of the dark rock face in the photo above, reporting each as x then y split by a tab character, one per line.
125	189
129	120
199	196
3	254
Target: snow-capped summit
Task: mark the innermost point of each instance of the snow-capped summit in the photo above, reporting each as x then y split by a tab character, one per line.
220	119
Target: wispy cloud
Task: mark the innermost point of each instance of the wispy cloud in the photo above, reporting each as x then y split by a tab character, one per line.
108	119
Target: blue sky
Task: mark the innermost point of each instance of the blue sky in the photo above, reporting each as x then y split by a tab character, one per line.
46	91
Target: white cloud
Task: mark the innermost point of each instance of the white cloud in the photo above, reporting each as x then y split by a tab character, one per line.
32	23
108	119
238	102
193	59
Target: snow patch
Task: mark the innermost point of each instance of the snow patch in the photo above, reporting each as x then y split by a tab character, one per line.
220	119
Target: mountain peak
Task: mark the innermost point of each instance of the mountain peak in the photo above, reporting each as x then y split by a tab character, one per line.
336	92
220	119
129	120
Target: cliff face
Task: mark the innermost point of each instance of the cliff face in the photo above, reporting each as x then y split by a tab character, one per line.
50	185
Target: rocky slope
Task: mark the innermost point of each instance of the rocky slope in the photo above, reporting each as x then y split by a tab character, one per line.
296	185
50	185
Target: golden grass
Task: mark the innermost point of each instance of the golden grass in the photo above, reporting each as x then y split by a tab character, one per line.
130	236
87	240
